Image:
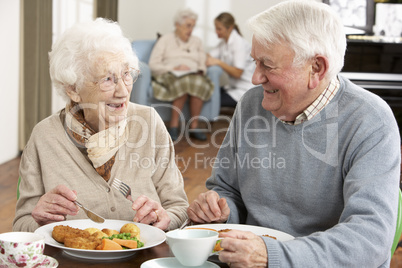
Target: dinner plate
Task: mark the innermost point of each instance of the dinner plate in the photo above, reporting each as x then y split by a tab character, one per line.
151	236
172	262
258	230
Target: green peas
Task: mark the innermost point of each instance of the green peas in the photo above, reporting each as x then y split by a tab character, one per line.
126	236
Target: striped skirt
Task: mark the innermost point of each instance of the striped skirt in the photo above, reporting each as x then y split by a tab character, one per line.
168	87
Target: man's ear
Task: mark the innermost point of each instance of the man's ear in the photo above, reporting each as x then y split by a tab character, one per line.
319	69
73	94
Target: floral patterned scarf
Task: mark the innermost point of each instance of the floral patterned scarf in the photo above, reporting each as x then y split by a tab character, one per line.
101	147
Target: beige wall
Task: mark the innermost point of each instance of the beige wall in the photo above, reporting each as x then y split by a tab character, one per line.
143	19
9	77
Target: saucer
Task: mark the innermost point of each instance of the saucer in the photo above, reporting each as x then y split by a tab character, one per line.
172	262
46	261
41	261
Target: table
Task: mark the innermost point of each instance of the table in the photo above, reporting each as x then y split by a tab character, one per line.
135	260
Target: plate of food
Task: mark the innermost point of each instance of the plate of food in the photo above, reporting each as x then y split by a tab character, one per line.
258	230
112	239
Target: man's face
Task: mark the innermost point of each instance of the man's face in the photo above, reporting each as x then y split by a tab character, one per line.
286	92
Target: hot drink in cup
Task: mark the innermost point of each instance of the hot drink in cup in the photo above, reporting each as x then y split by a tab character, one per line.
192	247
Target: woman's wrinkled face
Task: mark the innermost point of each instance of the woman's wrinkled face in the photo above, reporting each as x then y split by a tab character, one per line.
286	91
221	31
185	29
106	103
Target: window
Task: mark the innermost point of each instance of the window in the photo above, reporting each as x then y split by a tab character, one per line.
358	14
65	14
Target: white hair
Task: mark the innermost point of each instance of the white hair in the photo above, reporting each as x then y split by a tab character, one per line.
73	56
184	14
310	28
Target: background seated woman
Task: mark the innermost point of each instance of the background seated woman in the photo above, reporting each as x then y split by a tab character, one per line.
180	51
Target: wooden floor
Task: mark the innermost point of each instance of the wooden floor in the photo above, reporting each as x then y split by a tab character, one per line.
8	193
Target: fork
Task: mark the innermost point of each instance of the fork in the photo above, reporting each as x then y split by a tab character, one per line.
121	187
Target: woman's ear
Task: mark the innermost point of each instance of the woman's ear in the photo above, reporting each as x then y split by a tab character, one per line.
73	94
319	69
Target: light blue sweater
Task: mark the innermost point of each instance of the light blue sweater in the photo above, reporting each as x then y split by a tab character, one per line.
332	182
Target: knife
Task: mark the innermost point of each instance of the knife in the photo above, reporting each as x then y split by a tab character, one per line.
91	215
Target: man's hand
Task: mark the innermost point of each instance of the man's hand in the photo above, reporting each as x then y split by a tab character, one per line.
208	207
55	205
243	249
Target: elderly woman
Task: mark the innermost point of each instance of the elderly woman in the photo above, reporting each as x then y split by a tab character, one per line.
178	67
76	153
233	55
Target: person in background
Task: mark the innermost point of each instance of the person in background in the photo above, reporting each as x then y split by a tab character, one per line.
233	55
177	63
76	153
308	153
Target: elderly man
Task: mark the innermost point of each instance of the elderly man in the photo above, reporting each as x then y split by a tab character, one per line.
307	153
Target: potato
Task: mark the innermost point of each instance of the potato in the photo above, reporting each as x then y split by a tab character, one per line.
110	232
92	230
130	228
95	232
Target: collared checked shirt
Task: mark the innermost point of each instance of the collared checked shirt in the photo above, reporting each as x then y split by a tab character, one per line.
325	97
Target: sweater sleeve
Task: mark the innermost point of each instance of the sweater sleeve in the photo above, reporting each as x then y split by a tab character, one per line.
224	179
202	57
30	189
167	176
156	60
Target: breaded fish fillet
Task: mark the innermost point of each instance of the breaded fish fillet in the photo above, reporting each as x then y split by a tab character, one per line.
61	232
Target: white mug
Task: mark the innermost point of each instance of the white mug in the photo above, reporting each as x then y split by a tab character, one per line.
192	247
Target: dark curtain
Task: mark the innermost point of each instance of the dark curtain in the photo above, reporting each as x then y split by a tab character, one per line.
35	86
106	9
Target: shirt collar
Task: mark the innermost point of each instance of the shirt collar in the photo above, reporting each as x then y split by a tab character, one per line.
325	97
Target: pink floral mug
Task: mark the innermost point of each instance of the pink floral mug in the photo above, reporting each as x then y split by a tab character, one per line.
21	249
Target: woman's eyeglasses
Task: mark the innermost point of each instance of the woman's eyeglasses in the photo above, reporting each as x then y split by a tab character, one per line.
109	83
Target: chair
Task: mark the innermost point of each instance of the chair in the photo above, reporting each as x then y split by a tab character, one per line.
398	231
142	92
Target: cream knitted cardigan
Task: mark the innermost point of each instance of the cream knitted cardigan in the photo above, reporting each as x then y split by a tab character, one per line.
146	163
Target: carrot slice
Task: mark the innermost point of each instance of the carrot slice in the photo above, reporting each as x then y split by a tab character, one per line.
126	243
108	244
217	246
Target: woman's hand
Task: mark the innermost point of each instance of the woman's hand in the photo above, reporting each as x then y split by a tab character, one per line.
212	61
150	212
182	67
55	205
243	249
208	207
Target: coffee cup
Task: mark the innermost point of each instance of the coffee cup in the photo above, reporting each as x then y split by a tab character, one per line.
21	249
192	247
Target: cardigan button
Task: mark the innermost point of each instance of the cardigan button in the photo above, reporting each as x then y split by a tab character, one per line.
113	209
108	190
